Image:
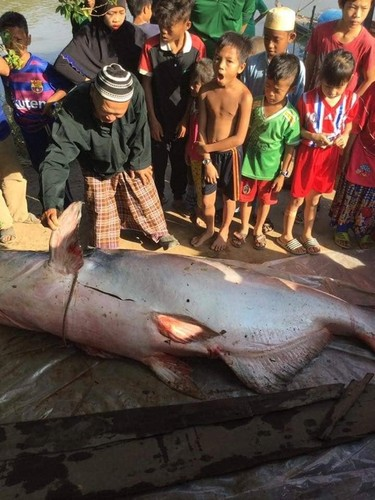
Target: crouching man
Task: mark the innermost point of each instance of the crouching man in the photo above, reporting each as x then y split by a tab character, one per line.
103	124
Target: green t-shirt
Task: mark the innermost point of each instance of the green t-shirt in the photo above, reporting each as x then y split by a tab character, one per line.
211	19
267	140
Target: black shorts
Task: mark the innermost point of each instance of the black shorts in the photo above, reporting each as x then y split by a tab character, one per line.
228	165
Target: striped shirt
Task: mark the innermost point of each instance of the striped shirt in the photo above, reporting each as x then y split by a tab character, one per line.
318	117
30	88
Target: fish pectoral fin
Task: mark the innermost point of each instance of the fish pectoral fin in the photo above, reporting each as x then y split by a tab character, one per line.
183	329
268	370
174	373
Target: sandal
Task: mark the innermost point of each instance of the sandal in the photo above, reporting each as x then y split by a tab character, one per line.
268	226
238	239
7	236
168	241
292	246
31	219
342	239
260	242
312	246
366	242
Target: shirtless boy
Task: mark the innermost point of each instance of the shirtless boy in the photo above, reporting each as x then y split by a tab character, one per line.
224	115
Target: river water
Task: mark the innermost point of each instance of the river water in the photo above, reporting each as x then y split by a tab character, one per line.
50	32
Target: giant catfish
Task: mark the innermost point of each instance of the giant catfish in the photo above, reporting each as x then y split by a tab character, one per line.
157	308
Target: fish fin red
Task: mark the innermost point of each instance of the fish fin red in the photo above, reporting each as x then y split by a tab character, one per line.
174	373
268	370
66	254
183	329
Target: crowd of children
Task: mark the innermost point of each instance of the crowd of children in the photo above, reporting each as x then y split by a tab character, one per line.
240	123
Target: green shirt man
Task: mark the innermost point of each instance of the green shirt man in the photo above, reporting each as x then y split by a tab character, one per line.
211	19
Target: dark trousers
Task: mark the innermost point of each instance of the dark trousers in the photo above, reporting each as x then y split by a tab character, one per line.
175	151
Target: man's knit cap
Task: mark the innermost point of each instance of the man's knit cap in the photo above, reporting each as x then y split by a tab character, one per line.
114	83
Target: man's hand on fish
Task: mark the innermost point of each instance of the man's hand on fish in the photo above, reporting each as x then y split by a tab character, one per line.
145	175
50	219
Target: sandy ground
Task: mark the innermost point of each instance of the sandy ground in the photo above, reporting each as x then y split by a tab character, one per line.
36	237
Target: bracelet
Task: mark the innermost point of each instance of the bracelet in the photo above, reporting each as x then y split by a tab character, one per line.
285	173
206	161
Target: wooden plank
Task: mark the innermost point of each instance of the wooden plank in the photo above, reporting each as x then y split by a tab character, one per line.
103	428
343	405
123	467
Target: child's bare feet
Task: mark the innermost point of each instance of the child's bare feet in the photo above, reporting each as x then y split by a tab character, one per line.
220	242
197	241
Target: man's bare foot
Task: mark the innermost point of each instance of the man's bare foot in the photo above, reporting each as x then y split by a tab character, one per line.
197	241
220	243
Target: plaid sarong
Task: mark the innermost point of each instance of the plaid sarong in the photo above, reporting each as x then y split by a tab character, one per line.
121	202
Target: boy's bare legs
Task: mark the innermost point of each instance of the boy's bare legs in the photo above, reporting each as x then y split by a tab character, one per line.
290	218
245	213
229	207
311	205
208	213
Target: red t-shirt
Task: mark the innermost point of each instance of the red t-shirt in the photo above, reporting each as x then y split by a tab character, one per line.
323	41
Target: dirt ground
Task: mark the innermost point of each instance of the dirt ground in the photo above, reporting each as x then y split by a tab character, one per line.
36	237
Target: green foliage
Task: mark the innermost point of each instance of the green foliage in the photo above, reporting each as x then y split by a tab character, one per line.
12	58
73	9
76	9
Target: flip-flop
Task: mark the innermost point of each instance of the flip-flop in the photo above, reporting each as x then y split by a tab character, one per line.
342	239
260	242
238	239
312	246
292	246
366	242
7	236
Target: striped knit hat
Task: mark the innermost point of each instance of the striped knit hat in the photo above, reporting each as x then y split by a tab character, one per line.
114	83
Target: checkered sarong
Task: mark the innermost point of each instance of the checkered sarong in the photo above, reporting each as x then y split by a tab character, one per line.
121	202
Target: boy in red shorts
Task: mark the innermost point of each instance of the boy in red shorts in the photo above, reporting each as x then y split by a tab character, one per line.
274	133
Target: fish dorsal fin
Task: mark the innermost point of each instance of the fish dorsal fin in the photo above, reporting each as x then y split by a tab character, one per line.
183	329
66	254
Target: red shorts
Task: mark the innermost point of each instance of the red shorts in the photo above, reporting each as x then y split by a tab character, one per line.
262	190
315	170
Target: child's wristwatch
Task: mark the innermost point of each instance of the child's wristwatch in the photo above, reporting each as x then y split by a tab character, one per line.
206	161
285	173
